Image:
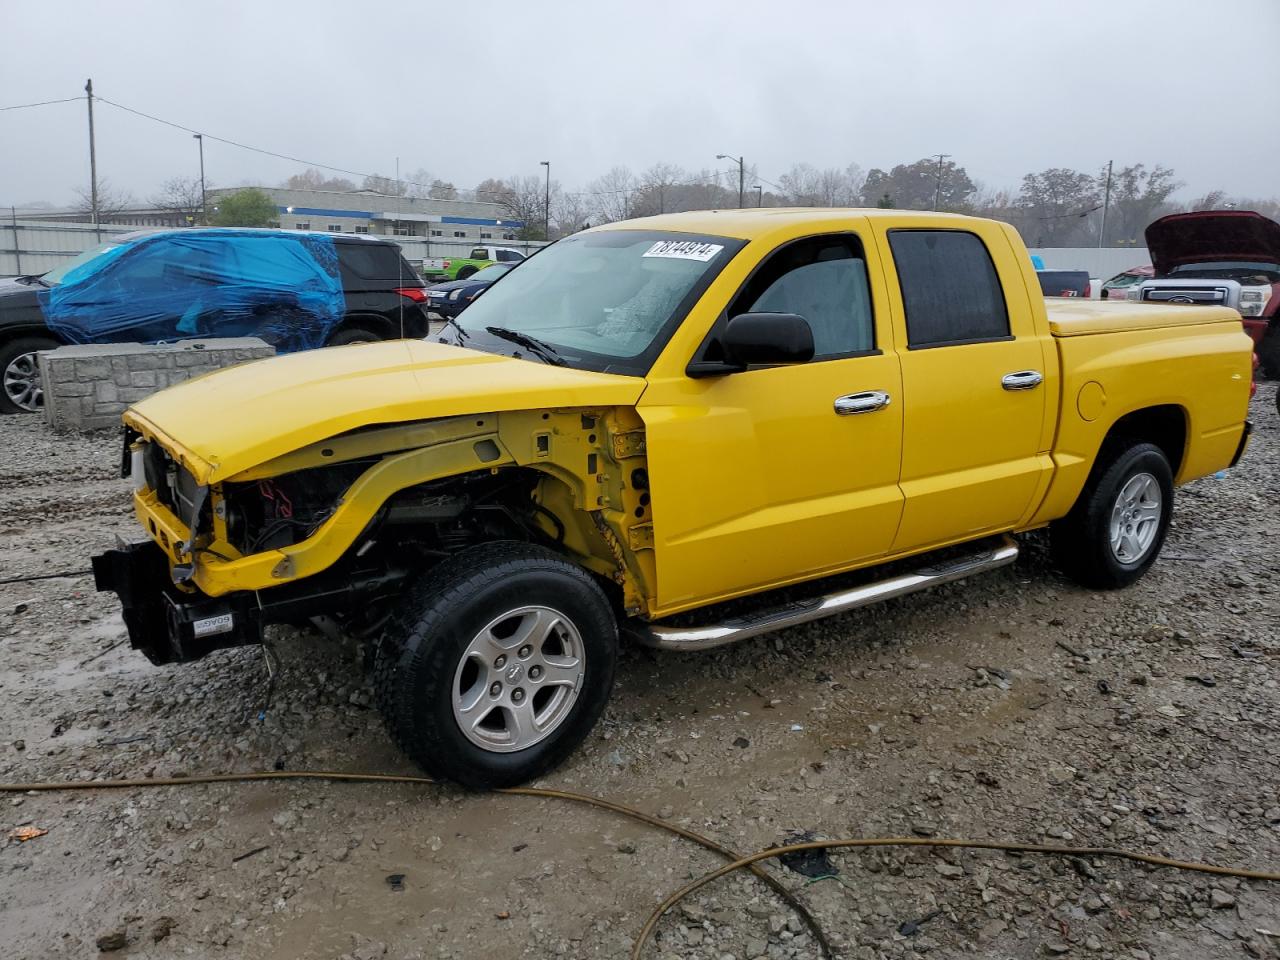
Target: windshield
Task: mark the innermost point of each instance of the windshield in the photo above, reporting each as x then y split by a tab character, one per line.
1229	270
491	272
605	300
54	276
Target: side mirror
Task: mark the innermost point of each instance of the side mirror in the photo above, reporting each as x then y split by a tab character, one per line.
751	339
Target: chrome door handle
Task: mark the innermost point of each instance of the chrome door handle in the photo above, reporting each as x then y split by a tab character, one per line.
867	402
1022	380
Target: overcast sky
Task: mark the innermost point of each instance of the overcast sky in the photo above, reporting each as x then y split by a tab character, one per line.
470	90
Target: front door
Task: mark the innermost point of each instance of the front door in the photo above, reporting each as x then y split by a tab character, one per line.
779	474
978	377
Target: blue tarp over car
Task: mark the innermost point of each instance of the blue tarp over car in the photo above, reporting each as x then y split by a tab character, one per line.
281	287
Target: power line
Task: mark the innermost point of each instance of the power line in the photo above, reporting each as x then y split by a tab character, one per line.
42	103
245	146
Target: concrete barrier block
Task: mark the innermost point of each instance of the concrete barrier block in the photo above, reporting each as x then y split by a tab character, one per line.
88	386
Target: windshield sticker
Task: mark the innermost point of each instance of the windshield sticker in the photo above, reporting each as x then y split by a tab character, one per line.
684	250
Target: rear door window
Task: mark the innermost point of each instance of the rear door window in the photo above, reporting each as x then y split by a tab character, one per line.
950	289
374	261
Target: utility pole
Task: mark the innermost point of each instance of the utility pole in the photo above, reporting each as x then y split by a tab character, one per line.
741	174
546	203
204	209
937	187
93	159
759	196
1106	202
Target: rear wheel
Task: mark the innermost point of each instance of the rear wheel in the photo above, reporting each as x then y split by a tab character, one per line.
497	667
1269	352
20	372
465	272
353	335
1116	529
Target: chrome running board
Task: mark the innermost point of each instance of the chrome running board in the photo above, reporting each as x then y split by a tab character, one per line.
802	611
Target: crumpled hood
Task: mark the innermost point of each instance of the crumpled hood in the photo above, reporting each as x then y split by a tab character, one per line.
1212	235
225	422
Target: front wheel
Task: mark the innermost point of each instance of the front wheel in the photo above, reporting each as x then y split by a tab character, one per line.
23	391
1116	529
497	666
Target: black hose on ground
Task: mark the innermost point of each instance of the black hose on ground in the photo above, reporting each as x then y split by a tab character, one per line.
736	862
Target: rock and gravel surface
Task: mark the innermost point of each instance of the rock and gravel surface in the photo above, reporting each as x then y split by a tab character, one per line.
1012	706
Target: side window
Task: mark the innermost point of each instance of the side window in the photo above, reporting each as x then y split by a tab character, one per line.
949	288
509	256
824	280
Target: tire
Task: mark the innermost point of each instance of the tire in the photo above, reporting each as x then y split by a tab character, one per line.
20	389
465	272
1130	475
1269	352
452	655
353	335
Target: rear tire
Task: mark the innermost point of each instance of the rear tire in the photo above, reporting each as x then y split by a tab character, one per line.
465	272
1269	352
1116	529
496	667
349	335
20	387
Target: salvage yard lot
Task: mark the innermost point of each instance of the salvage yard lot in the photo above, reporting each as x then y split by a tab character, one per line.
1013	706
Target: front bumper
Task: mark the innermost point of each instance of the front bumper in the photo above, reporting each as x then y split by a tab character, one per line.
173	626
165	624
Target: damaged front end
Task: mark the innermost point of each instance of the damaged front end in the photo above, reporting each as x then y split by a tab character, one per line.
338	527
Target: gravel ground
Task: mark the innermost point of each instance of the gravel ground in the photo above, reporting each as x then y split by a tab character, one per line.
1013	706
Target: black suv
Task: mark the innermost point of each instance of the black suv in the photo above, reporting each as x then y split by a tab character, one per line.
294	289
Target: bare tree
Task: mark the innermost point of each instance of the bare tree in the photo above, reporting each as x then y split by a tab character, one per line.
655	194
612	194
182	196
805	186
313	179
110	200
442	190
570	212
523	199
387	186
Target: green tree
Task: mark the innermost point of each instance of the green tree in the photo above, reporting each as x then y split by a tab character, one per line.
1055	205
1138	196
912	186
245	208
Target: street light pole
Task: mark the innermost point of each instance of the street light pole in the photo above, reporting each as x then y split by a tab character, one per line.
204	210
741	174
546	204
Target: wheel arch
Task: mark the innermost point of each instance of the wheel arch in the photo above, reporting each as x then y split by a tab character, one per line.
1167	425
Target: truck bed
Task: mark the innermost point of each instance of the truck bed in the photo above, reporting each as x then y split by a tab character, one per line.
1069	318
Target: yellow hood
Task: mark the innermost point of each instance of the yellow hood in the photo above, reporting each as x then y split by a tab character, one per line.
225	422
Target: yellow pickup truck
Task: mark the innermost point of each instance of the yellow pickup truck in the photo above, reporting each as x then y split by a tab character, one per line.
688	430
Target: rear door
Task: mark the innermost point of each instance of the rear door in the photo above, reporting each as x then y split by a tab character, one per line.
977	375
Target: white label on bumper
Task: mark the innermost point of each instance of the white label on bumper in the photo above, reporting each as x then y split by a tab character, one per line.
211	625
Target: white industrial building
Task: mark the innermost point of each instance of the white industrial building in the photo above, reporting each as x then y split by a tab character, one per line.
364	211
